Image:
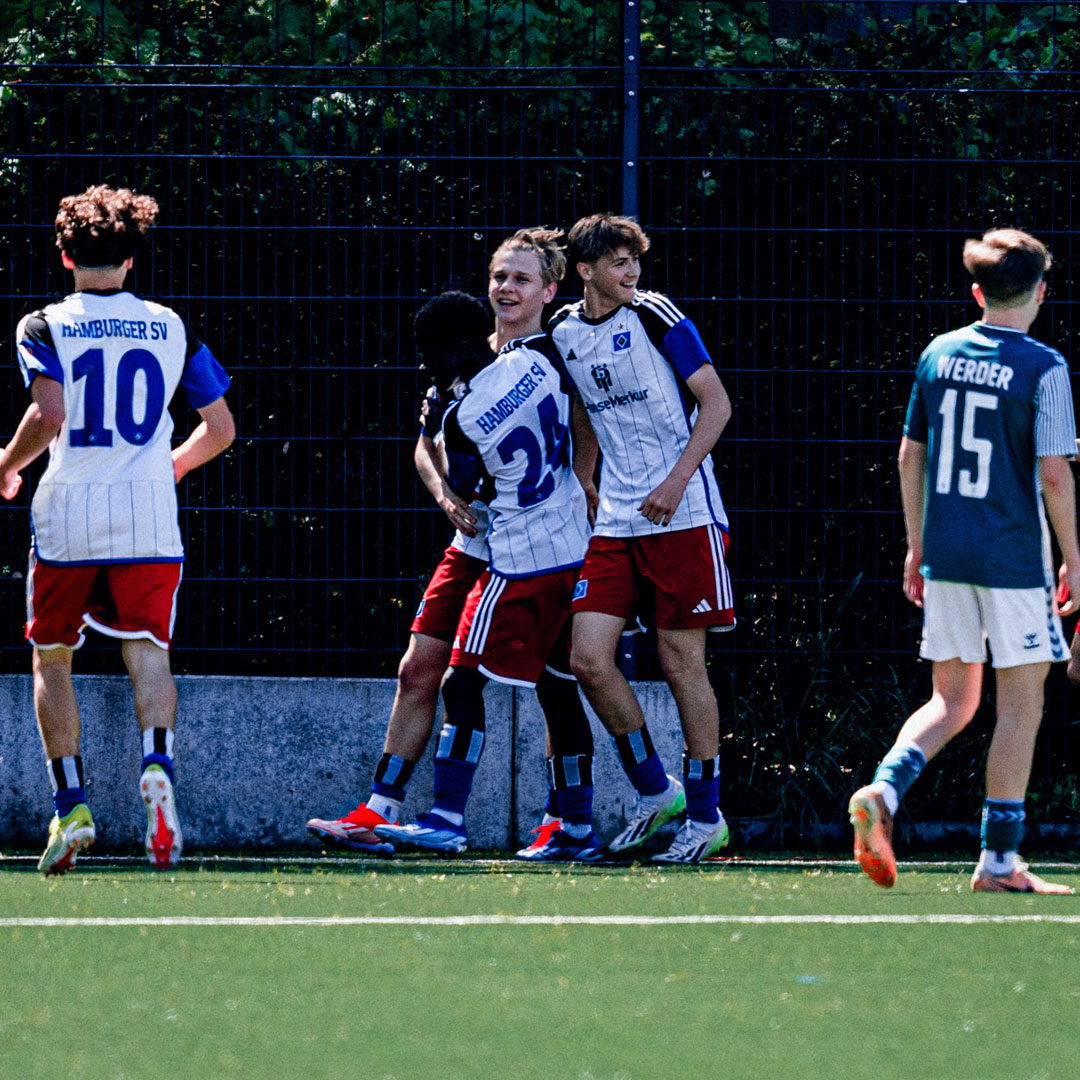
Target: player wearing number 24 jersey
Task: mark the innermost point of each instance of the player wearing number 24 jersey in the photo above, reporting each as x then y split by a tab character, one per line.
101	366
514	425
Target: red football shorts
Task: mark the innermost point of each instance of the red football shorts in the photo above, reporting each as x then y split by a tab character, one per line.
444	598
512	628
679	579
122	600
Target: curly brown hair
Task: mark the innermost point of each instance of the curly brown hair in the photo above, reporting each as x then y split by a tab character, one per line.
103	226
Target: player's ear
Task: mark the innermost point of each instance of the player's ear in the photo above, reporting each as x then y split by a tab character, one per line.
67	260
550	289
584	270
978	294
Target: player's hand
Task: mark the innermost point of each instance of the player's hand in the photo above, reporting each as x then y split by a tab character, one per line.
10	482
1068	590
592	501
913	579
458	511
431	410
661	503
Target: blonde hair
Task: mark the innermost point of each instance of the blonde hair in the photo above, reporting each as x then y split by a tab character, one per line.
545	244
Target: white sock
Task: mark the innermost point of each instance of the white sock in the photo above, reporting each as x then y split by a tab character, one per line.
579	832
888	793
385	808
997	863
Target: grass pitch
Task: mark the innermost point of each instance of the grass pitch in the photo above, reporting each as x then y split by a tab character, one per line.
417	969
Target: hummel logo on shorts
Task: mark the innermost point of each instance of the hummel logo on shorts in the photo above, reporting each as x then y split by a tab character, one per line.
702	608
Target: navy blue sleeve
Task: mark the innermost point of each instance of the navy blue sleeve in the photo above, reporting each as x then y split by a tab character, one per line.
465	468
204	380
684	349
36	350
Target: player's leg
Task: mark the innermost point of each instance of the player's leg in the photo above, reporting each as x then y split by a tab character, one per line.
457	755
957	687
659	797
136	603
71	829
155	708
954	640
566	833
687	574
682	659
1008	768
55	599
1025	638
412	714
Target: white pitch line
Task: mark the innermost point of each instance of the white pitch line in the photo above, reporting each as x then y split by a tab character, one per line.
538	920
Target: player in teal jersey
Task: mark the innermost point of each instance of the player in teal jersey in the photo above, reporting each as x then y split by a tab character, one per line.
983	462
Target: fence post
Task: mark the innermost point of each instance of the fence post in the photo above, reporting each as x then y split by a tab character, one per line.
631	110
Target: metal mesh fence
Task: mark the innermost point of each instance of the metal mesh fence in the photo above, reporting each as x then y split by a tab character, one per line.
807	172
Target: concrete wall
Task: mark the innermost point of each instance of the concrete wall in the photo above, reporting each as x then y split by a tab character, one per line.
257	757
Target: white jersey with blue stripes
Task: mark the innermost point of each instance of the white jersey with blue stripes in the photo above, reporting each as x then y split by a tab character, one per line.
108	494
509	439
629	369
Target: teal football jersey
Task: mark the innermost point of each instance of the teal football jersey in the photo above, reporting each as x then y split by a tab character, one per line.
988	402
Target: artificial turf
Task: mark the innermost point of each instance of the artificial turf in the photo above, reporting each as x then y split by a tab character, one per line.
630	1002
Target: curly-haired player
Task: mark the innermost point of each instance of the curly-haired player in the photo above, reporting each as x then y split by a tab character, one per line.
102	366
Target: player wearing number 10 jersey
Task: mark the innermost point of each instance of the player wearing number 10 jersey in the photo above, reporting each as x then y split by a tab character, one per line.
102	366
989	430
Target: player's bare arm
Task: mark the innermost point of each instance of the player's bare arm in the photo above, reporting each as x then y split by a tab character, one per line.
38	427
1059	495
213	435
586	451
912	466
714	411
432	469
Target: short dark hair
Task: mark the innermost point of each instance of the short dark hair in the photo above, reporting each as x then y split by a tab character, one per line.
103	226
601	234
451	333
1006	264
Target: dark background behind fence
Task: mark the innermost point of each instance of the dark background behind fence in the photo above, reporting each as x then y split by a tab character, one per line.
807	172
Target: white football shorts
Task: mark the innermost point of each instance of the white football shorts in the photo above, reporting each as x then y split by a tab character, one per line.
1022	626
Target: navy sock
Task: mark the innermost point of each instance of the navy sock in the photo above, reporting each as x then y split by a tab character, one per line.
900	767
456	758
570	788
68	785
392	774
157	748
702	782
1002	825
640	761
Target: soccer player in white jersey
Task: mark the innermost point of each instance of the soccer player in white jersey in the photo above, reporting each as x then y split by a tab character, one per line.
508	438
102	366
523	272
657	406
984	462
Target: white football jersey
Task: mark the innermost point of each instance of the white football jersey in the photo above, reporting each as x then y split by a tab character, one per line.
108	493
475	546
629	369
509	438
